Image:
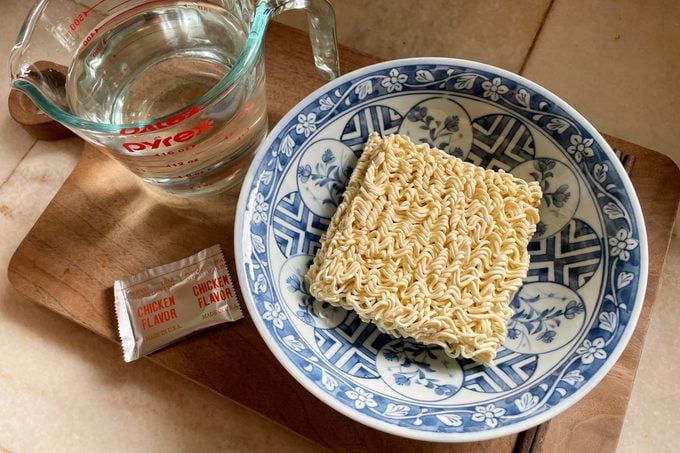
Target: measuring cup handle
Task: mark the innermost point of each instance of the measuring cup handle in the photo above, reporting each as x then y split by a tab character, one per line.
321	19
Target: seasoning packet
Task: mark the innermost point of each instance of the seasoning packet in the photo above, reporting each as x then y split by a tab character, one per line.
162	305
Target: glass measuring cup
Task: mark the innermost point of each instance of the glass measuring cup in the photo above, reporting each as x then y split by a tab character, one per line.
174	90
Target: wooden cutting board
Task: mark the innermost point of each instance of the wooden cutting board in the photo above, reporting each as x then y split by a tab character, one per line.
104	225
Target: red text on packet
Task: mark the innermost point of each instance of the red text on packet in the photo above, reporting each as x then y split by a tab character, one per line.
211	291
209	285
156	312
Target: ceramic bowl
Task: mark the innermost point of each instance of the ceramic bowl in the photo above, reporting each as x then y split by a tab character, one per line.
577	307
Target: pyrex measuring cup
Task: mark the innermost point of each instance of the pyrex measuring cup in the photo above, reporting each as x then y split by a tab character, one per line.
174	90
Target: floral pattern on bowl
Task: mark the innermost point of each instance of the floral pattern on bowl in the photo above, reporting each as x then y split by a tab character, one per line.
573	316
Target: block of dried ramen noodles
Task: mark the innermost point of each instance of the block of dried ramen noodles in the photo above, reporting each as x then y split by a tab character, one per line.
427	246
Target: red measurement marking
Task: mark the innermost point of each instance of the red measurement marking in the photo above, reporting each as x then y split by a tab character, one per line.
94	6
191	175
118	5
100	47
175	151
88	39
79	20
180	163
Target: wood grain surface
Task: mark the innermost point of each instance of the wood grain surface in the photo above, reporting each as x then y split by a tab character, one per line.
104	225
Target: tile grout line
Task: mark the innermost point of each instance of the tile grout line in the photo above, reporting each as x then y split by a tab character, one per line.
538	33
9	176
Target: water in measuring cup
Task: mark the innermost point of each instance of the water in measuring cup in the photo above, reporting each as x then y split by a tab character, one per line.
157	59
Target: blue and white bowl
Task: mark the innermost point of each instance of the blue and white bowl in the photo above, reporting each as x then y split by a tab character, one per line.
574	314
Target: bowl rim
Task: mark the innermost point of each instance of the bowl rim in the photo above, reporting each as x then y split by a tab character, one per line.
487	434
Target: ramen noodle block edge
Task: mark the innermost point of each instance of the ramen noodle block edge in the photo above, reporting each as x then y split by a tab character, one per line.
427	246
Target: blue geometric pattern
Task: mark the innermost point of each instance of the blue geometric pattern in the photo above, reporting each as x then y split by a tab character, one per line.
376	118
570	257
352	346
500	142
510	370
606	199
297	230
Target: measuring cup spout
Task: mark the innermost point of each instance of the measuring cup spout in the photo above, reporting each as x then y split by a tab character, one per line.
321	20
33	70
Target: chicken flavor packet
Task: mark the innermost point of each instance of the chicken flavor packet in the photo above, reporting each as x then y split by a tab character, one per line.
163	305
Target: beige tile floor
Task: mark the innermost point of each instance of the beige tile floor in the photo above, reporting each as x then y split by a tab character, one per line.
64	389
